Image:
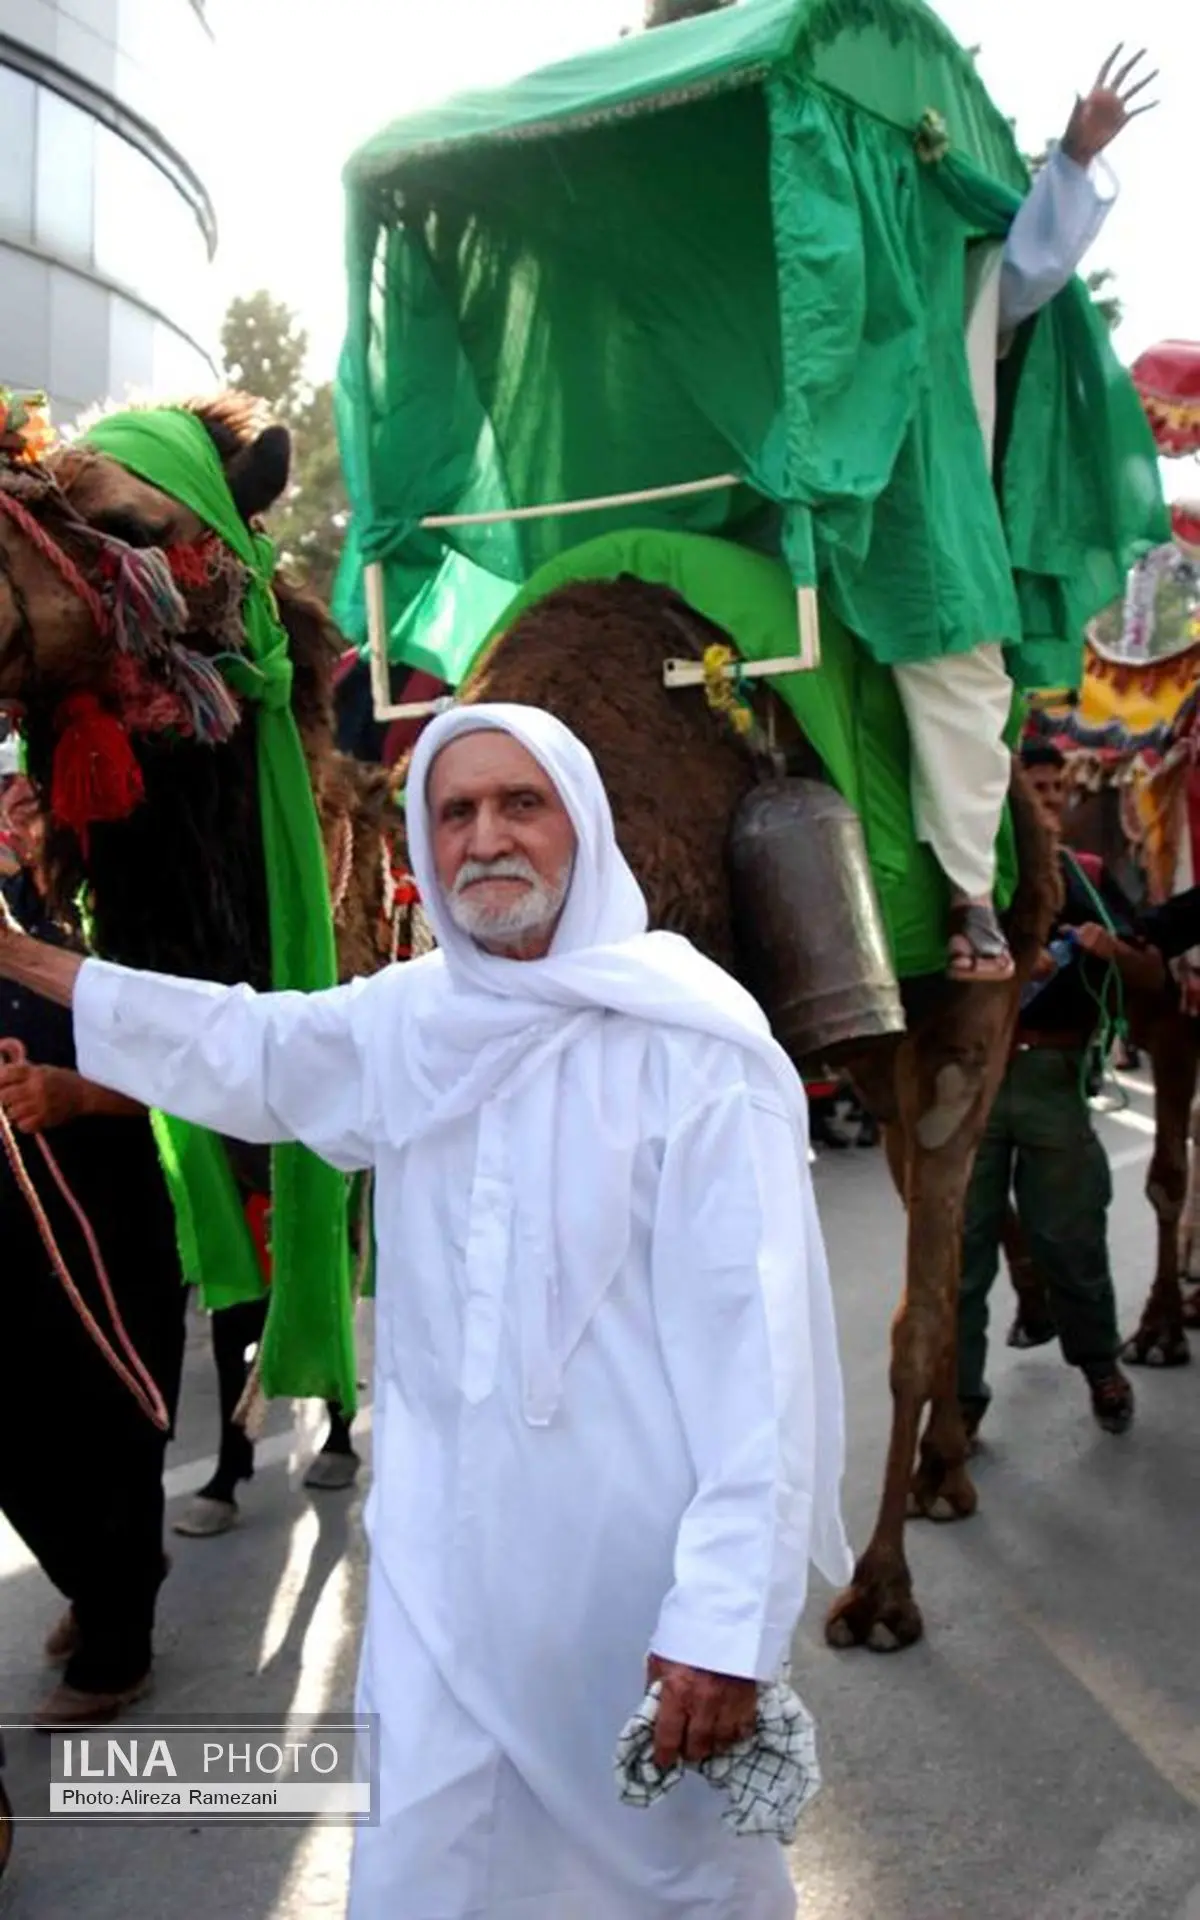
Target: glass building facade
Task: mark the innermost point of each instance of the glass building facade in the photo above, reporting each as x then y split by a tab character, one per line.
106	229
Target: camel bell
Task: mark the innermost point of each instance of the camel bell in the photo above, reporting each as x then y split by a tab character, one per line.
810	930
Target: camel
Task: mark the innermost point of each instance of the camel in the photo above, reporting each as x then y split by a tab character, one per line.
594	655
179	884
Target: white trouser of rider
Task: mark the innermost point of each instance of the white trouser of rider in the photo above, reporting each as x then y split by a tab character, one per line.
958	706
957	709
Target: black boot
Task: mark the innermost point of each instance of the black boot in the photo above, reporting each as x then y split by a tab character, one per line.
1112	1397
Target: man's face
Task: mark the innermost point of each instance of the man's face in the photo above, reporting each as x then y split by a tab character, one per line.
503	843
1050	790
23	818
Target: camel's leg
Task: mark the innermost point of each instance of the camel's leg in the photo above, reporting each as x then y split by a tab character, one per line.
878	1609
946	1083
945	1447
337	1464
1189	1232
1160	1340
941	1487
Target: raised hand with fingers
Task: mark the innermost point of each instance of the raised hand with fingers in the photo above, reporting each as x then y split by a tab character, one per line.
1099	116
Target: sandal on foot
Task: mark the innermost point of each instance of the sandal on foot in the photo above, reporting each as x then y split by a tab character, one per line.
979	953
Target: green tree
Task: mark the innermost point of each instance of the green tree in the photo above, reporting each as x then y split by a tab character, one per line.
264	350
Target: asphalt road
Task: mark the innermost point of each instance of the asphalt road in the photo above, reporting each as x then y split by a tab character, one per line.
1036	1758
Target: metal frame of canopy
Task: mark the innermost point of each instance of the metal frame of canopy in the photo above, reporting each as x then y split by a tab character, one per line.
676	673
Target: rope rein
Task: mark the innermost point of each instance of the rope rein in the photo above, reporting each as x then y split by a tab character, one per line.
131	1370
62	563
136	1376
342	864
1112	1024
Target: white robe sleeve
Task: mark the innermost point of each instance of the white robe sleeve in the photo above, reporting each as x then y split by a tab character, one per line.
735	1239
259	1067
1057	222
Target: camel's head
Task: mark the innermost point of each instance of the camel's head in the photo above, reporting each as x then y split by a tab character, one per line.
107	584
120	610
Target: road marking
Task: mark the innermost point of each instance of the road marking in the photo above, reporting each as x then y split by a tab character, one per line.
1161	1727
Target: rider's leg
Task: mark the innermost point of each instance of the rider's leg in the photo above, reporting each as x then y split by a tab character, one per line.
957	709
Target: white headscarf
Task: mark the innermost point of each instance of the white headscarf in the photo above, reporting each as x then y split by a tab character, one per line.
479	1028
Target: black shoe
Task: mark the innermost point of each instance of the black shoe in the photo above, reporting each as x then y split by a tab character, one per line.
1112	1398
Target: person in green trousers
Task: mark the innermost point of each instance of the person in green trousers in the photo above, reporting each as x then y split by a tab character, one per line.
1040	1144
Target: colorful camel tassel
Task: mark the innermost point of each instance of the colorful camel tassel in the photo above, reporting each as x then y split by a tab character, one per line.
95	776
214	712
147	605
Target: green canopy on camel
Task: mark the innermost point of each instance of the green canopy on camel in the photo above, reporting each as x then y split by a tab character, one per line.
735	249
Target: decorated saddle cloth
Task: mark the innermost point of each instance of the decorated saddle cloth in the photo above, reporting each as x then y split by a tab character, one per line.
848	709
768	1778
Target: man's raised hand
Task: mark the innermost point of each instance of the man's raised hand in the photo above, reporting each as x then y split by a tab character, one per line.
1101	115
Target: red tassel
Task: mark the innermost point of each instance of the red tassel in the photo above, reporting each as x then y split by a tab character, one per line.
95	775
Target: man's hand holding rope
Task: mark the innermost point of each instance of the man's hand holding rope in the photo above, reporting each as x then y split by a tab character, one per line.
37	1099
34	964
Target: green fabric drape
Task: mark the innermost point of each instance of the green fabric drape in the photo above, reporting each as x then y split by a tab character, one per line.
883	438
1076	468
308	1346
216	1251
767	281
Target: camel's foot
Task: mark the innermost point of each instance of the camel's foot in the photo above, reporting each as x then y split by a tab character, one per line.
941	1492
333	1470
875	1612
1154	1345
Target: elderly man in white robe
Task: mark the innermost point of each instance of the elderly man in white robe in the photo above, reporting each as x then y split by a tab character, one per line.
958	705
608	1405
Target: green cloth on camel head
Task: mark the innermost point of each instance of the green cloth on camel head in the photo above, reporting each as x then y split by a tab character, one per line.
308	1345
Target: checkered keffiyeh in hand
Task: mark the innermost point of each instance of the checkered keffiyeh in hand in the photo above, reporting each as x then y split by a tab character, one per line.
769	1777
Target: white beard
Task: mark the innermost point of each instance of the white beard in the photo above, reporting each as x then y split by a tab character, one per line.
532	912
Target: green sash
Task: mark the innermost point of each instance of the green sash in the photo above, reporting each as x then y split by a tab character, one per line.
308	1346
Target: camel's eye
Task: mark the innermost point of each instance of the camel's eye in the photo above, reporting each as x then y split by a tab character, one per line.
123	526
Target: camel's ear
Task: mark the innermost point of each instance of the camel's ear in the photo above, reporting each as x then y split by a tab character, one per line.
258	474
